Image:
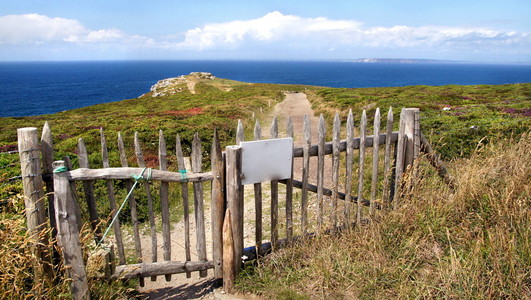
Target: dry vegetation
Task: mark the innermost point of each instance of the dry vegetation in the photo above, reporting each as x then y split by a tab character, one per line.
21	276
471	243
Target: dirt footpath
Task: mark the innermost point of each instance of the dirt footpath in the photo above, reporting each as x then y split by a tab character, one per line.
295	105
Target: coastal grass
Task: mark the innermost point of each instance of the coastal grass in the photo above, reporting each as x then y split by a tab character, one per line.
22	278
471	243
455	118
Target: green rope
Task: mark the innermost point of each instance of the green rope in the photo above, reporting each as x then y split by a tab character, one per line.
183	175
60	169
141	176
137	178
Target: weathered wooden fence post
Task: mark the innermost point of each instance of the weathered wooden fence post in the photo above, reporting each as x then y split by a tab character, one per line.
218	205
88	187
235	200
199	211
47	161
229	272
408	146
30	164
68	232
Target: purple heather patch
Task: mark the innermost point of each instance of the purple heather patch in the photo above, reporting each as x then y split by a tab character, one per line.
526	112
64	136
7	148
91	127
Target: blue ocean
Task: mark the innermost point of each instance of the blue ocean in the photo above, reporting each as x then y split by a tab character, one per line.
35	88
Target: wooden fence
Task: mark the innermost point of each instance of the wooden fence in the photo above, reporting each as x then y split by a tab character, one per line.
335	206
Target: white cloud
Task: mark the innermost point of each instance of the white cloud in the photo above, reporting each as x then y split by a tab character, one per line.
34	28
341	34
272	35
273	26
39	29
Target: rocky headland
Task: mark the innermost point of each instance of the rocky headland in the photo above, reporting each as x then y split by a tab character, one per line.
174	85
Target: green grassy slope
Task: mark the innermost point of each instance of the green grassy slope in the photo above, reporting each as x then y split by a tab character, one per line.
475	112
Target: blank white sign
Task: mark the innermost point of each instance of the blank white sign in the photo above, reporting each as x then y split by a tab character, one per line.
266	160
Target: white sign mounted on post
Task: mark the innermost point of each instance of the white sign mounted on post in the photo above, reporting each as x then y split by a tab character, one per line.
266	160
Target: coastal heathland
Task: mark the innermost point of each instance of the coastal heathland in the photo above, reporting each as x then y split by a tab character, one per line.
458	120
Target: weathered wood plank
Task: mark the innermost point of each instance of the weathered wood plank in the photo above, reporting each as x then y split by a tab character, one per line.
197	161
147	187
407	145
393	184
436	162
335	168
305	173
73	187
112	200
375	157
238	226
363	130
411	115
416	134
240	135
164	204
132	200
68	234
274	193
387	158
159	268
258	198
328	192
47	161
313	150
289	189
125	173
30	165
217	205
186	204
229	270
235	200
88	188
349	160
400	158
320	170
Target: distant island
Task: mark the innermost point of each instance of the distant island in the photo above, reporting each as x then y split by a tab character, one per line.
406	61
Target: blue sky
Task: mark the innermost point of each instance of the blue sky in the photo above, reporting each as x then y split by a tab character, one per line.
481	31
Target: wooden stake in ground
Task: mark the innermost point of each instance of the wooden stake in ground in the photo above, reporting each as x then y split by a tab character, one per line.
217	205
68	233
229	271
30	164
258	201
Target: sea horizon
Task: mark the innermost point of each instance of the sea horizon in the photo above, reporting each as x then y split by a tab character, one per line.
352	60
31	88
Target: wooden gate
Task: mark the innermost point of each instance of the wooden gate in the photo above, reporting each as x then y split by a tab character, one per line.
69	221
376	184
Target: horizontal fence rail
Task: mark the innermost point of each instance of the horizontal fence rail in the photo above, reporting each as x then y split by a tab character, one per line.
313	150
84	174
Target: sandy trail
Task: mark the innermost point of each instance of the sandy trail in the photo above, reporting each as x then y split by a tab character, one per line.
295	105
